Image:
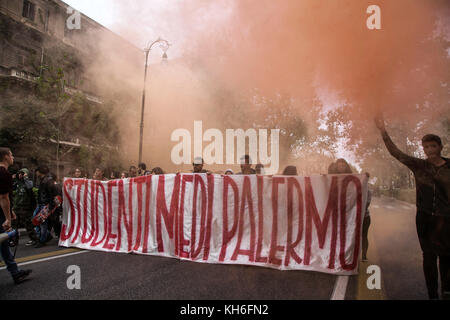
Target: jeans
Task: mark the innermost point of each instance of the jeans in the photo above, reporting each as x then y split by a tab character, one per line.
7	256
42	230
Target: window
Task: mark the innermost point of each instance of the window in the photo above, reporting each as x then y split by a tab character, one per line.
20	61
28	10
41	17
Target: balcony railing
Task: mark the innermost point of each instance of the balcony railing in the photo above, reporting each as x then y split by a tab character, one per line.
69	90
92	98
23	75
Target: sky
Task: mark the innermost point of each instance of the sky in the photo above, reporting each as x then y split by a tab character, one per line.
99	10
157	20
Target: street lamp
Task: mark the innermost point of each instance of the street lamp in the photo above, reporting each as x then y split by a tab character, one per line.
164	45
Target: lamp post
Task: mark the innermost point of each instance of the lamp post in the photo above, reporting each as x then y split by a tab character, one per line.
164	44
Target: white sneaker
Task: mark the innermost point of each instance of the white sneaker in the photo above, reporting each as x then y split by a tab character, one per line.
30	243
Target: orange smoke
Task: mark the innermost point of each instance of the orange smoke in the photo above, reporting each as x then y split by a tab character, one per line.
290	47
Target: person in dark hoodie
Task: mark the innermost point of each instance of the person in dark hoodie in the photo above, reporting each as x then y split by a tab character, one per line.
24	203
46	194
432	177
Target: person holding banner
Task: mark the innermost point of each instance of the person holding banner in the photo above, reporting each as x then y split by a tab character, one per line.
46	193
341	166
78	173
432	177
132	172
290	171
198	165
259	169
99	174
157	171
246	166
142	169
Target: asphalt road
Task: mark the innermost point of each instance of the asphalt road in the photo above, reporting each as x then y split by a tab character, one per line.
398	249
394	247
121	276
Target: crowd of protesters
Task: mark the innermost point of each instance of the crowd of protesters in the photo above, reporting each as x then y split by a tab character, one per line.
31	194
433	224
433	190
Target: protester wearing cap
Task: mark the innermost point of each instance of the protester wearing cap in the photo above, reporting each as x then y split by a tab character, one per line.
229	172
198	165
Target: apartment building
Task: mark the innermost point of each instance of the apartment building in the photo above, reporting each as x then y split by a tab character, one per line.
33	31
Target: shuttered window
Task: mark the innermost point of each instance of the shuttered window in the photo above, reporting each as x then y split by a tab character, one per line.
28	10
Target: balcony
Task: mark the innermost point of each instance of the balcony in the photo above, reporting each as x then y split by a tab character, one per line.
92	98
23	75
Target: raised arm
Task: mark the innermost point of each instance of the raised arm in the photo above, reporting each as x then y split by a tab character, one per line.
392	148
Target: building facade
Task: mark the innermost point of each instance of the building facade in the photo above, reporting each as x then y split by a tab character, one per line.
35	32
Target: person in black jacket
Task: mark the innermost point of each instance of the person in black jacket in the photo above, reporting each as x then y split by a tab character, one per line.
54	220
24	203
7	215
46	194
433	207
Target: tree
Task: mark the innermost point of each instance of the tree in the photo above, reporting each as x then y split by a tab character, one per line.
30	121
254	110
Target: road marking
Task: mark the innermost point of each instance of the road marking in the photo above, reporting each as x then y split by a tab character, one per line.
363	292
375	206
390	207
46	257
340	288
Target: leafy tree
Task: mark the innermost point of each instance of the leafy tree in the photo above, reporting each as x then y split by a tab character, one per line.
32	123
